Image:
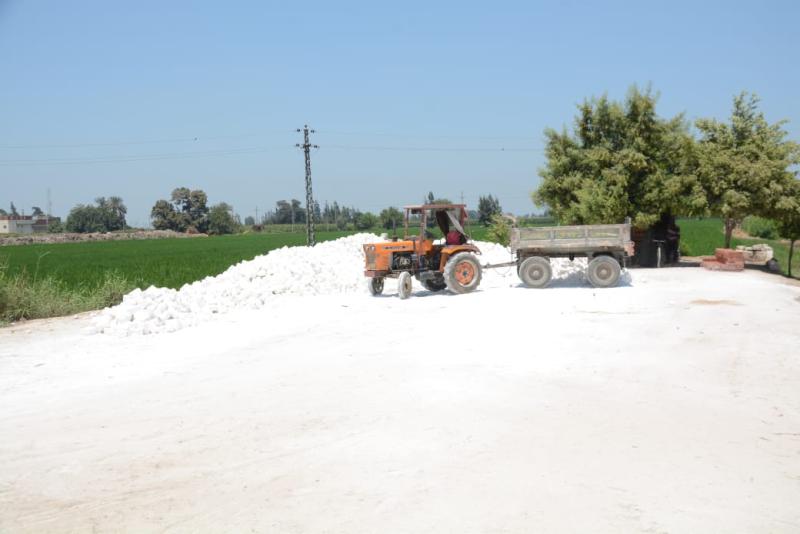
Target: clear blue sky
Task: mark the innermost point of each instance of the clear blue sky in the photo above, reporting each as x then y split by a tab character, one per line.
155	95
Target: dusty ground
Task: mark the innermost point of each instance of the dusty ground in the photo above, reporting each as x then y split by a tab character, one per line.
670	405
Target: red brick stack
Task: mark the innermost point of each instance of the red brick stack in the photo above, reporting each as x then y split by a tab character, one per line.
725	259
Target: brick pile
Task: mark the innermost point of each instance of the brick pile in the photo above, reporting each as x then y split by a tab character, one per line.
724	259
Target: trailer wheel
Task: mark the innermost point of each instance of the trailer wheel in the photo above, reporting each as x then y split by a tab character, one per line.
434	284
404	285
375	285
603	271
535	272
462	273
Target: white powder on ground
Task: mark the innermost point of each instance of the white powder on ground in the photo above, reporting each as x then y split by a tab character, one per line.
331	267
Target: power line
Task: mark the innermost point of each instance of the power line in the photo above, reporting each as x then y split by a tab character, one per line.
139	157
143	142
433	149
426	136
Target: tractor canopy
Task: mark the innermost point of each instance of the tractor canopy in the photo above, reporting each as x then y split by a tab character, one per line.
447	216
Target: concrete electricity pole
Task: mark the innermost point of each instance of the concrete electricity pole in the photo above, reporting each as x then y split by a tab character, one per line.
307	146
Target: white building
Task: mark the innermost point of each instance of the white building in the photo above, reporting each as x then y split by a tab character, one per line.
21	224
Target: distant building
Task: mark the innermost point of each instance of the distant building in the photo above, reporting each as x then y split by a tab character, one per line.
25	224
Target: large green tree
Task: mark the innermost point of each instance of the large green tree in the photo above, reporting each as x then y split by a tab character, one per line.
488	207
621	160
221	219
787	215
185	211
744	164
391	218
107	215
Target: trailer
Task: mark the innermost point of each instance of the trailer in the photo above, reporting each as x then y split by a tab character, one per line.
607	247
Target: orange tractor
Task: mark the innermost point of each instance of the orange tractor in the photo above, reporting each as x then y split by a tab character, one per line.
451	264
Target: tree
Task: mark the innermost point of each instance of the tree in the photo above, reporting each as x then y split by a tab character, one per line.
119	210
788	218
221	219
36	211
107	215
500	230
85	218
14	212
3	212
622	160
488	207
287	212
365	221
249	220
391	217
744	166
114	211
185	211
55	226
163	216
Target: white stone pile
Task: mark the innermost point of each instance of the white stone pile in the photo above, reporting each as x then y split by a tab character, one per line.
332	267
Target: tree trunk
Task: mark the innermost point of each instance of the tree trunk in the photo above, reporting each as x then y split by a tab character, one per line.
730	224
791	249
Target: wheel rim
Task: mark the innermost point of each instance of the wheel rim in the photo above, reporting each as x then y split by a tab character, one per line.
377	284
465	273
536	273
604	272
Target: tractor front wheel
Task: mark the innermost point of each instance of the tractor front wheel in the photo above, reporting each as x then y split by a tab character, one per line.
375	285
462	273
404	285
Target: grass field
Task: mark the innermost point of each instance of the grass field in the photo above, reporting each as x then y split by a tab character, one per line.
161	262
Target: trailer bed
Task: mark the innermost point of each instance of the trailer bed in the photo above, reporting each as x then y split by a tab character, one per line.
570	241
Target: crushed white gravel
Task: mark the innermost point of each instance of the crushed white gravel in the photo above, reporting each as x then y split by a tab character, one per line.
669	404
331	267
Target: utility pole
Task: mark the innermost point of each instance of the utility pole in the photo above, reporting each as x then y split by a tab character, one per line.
307	146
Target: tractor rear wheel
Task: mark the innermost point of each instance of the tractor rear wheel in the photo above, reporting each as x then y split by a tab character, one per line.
462	273
535	272
603	271
434	284
375	285
404	285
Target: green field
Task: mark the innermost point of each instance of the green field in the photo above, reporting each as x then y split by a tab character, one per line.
160	262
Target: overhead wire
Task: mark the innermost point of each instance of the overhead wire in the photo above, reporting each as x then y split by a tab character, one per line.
424	136
137	157
432	149
234	151
141	142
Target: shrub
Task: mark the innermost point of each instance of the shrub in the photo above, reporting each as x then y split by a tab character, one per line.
365	221
760	227
26	297
499	230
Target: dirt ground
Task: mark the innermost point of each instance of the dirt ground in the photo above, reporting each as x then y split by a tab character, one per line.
670	404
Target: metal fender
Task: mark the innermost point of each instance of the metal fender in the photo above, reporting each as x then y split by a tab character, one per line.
451	250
